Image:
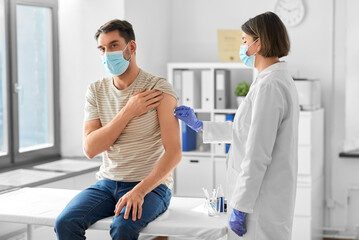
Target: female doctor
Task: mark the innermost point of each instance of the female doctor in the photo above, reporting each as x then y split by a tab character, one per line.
262	160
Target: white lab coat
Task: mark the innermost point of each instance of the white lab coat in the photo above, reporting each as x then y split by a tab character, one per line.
262	160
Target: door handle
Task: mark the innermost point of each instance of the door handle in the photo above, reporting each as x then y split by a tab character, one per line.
17	88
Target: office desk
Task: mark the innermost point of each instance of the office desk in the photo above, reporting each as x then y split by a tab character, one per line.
185	217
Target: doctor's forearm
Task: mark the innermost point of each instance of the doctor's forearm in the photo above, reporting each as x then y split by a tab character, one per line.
160	172
101	139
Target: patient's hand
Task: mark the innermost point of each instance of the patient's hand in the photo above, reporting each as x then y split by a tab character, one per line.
142	101
133	200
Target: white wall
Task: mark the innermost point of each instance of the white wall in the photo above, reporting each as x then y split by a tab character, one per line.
195	25
80	62
352	71
344	171
151	22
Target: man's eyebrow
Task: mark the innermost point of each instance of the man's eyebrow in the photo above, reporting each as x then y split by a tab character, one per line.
114	41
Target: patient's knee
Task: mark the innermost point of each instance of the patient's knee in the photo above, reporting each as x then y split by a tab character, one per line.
66	226
122	229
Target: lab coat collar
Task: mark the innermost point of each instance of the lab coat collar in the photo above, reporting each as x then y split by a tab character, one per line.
274	67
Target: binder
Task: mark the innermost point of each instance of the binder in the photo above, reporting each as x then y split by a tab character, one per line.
188	138
229	117
177	85
222	89
220	148
207	92
191	89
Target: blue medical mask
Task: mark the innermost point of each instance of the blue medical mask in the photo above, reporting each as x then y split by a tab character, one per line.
247	60
115	63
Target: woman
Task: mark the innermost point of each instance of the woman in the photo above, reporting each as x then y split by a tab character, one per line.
262	160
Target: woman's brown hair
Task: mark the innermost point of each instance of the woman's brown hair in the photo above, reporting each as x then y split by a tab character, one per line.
272	34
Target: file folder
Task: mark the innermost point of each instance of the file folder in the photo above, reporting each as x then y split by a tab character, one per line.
207	86
177	85
219	148
188	138
191	89
229	117
222	89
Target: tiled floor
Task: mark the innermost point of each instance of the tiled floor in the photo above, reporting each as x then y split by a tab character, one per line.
19	237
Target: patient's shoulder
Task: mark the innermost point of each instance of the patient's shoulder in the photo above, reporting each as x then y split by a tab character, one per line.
159	83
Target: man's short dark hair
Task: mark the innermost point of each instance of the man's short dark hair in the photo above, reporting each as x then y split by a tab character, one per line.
122	26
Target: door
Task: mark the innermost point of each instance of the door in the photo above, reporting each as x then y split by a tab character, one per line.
29	107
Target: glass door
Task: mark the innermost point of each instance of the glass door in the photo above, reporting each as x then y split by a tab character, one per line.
4	97
29	86
34	81
34	77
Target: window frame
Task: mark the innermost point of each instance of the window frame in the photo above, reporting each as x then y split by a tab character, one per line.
7	159
14	156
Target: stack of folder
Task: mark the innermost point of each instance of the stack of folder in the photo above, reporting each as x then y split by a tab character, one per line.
200	89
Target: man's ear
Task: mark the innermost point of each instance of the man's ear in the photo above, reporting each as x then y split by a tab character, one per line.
132	46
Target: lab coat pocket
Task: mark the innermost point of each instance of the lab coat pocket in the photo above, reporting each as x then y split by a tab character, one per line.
232	176
243	115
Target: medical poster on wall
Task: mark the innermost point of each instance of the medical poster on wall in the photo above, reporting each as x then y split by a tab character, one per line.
229	42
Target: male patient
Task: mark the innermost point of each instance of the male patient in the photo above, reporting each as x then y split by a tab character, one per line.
129	119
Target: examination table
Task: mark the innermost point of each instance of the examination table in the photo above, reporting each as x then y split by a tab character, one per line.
185	217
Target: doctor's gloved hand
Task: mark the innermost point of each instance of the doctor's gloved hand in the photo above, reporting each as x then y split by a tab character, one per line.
236	222
186	114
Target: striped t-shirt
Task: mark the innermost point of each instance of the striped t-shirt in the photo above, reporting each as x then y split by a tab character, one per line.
139	147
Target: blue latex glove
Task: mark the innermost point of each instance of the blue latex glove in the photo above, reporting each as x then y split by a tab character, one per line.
186	114
236	222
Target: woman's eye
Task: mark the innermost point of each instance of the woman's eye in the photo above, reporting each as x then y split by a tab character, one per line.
114	45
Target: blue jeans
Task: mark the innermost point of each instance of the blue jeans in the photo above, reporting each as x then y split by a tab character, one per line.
99	201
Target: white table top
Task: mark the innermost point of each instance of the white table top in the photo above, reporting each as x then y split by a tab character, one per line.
185	217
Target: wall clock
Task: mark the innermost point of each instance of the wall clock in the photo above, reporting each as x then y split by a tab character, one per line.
291	12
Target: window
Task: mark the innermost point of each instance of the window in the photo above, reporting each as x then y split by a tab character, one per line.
34	77
4	152
28	81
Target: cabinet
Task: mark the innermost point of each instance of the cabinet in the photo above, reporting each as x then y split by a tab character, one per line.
309	206
209	89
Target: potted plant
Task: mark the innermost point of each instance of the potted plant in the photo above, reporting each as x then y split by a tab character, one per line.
241	91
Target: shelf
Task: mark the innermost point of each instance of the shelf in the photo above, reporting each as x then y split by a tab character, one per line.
217	65
199	110
230	111
221	155
350	154
197	153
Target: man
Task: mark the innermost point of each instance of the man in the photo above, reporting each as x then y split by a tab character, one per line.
129	119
